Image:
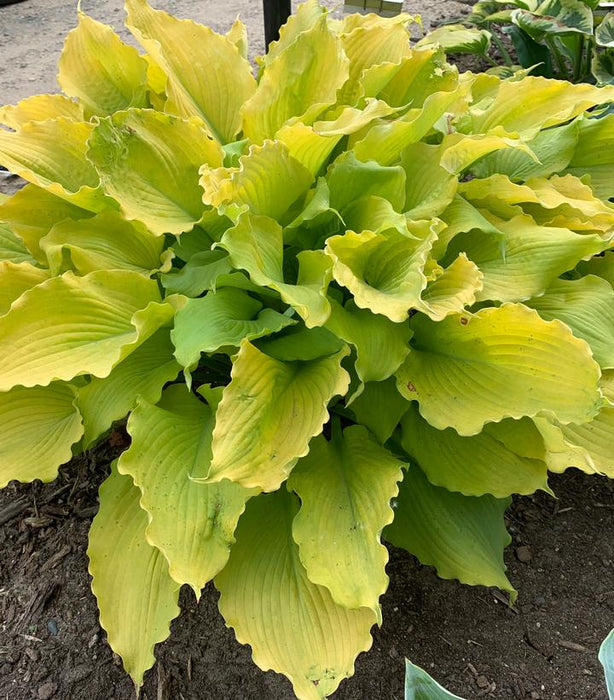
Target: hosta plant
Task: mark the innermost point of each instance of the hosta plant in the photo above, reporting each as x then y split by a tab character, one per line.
359	297
571	39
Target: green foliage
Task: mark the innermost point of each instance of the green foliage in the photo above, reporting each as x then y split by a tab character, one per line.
361	294
567	39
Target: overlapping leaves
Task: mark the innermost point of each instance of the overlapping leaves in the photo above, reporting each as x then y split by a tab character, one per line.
357	297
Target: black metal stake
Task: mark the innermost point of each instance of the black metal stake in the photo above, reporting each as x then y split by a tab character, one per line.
276	13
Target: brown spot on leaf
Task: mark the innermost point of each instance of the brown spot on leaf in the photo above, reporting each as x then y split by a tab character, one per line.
411	387
464	321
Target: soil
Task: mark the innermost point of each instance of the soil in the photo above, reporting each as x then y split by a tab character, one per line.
51	645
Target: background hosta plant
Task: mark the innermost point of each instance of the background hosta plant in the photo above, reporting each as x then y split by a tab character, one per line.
570	39
359	297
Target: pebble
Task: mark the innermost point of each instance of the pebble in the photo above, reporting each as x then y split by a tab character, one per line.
47	690
523	554
52	626
482	682
78	673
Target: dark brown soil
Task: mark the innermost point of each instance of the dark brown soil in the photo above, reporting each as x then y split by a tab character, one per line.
51	645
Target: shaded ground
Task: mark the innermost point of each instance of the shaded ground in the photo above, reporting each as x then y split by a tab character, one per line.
51	646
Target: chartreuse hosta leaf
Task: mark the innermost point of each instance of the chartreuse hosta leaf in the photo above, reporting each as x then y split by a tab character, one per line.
104	242
265	591
15	279
350	179
12	247
142	374
587	446
381	346
526	106
267	181
38	108
370	45
380	407
553	149
503	459
191	523
345	487
463	537
593	156
183	49
384	271
460	367
301	80
601	266
456	38
32	212
586	305
51	154
90	323
268	414
152	183
420	686
136	596
221	320
528	258
37	429
385	140
102	72
255	244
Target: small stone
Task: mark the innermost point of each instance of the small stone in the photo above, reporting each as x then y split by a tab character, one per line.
47	690
539	600
534	695
52	626
523	554
482	682
32	654
78	673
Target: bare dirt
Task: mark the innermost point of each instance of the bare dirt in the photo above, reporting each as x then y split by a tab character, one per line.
51	645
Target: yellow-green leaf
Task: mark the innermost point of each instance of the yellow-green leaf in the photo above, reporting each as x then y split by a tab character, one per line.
586	305
490	462
527	260
526	106
593	156
104	242
345	487
384	271
192	524
267	181
136	596
38	108
32	212
88	325
463	537
380	407
15	279
207	76
102	72
221	320
142	374
38	426
265	592
52	155
300	81
255	244
381	345
268	414
153	183
12	247
459	369
587	446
